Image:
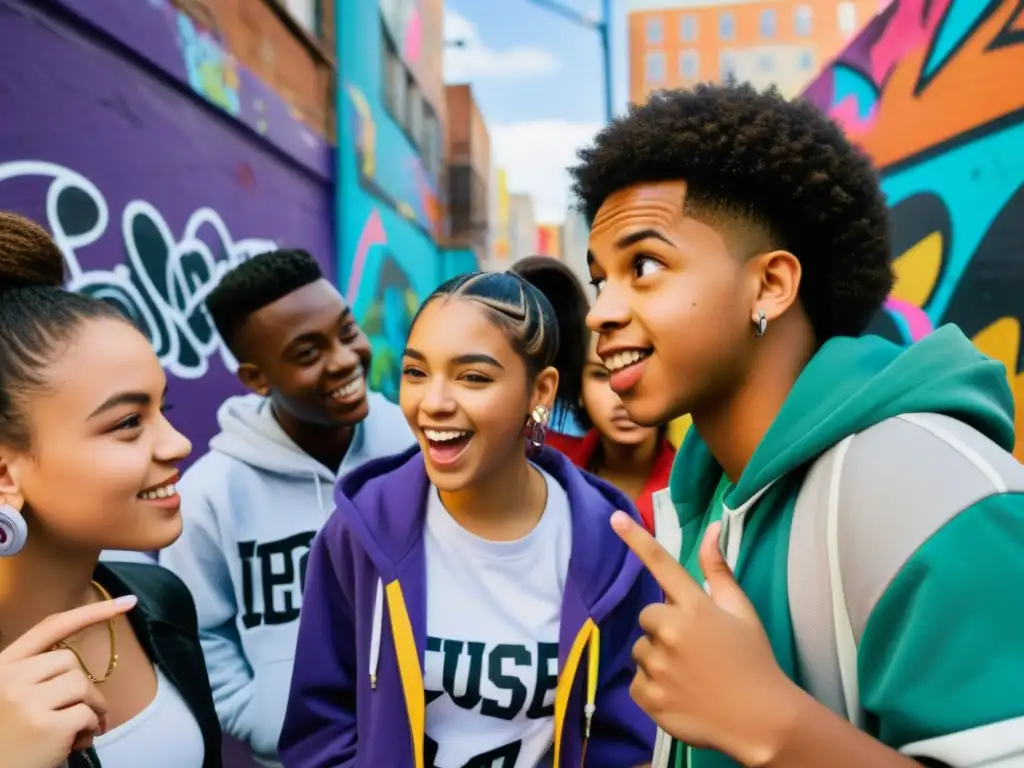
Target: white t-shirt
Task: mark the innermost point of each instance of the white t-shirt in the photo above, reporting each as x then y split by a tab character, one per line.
144	739
493	614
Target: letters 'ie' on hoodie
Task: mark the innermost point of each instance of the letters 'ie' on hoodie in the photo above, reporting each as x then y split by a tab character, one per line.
251	507
357	692
942	651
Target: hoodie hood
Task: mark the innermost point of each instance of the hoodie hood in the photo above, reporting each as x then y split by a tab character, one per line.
251	434
384	503
849	385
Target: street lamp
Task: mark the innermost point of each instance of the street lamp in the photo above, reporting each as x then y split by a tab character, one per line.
601	26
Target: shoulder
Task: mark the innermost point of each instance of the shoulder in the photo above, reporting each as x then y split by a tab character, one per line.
914	477
385	426
162	595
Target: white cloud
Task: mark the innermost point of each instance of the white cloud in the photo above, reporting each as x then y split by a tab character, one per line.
536	155
474	60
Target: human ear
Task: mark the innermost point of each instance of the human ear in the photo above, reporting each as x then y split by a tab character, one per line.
776	276
10	488
252	377
545	388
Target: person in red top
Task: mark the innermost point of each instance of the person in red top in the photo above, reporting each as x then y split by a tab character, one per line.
636	460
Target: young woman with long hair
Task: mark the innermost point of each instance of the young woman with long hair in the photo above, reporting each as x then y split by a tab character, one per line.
468	603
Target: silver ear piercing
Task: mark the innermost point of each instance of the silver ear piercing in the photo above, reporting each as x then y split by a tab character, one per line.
762	323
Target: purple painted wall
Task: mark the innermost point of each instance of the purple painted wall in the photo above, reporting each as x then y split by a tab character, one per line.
151	177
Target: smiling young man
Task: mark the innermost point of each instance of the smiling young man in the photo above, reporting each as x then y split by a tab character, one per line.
863	517
254	502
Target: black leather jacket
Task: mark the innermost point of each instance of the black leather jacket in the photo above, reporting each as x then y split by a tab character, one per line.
165	622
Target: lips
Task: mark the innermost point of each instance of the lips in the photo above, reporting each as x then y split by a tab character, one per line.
163	490
349	389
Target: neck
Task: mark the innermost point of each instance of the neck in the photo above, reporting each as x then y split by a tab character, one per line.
328	444
504	506
43	579
733	427
622	459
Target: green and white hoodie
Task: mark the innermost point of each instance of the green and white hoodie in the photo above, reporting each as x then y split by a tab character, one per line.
930	539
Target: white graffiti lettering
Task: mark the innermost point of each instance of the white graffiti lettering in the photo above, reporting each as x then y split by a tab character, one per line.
164	281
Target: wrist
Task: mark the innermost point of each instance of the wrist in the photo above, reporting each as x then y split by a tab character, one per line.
783	715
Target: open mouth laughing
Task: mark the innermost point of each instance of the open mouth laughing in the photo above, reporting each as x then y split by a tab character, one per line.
625	367
446	446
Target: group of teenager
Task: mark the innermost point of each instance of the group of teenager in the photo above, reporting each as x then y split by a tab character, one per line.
827	573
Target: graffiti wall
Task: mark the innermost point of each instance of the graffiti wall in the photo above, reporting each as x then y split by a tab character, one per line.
933	90
389	207
148	182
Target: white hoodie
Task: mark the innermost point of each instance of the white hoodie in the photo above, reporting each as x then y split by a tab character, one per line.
251	507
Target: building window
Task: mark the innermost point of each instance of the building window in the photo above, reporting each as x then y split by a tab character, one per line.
430	151
767	24
654	67
306	12
414	112
846	18
805	61
765	62
726	25
688	28
654	32
803	20
395	79
689	65
727	66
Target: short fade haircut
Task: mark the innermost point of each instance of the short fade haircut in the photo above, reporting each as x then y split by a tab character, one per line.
254	284
778	167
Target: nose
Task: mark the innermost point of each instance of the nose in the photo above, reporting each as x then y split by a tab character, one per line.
343	359
171	447
437	400
610	311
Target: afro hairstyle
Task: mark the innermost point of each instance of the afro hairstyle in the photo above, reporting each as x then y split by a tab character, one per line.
254	284
753	158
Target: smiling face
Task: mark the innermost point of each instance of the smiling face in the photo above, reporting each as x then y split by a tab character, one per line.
605	408
466	393
100	470
309	355
674	303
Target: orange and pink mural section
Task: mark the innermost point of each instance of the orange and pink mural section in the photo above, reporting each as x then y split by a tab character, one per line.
933	90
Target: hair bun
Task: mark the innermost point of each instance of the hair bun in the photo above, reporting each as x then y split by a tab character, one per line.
28	255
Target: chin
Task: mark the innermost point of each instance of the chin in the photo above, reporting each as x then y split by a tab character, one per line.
648	412
350	416
153	537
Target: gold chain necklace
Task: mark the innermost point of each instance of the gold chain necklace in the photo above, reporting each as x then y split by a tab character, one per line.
112	664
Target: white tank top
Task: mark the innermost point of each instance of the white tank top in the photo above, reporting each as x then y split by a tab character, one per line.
165	732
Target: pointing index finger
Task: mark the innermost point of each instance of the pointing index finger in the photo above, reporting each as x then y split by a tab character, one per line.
673	578
48	632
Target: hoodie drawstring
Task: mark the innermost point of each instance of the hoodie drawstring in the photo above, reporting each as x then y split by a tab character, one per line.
319	494
378	620
593	666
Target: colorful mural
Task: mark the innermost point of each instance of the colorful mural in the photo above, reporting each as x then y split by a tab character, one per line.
150	193
932	90
389	212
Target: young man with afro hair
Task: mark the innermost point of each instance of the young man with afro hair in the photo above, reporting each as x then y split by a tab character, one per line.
850	507
254	502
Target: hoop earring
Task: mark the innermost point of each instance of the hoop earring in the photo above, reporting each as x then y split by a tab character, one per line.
13	531
536	429
761	323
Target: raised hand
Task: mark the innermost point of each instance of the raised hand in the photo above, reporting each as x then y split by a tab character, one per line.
48	707
706	673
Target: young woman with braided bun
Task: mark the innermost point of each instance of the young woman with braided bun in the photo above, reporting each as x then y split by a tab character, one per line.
467	604
99	663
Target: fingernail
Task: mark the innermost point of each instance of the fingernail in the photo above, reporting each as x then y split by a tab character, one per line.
620	521
129	600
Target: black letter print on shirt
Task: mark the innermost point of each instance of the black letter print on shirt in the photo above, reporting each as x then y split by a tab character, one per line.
274	564
502	757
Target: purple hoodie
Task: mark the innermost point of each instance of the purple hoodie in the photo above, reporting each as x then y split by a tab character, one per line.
357	695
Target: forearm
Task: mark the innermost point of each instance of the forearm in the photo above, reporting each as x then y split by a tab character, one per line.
811	735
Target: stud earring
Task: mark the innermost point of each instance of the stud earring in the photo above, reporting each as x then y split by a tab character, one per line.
536	429
761	323
13	531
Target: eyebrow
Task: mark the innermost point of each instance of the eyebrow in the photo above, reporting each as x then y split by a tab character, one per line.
473	359
344	317
632	239
141	399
